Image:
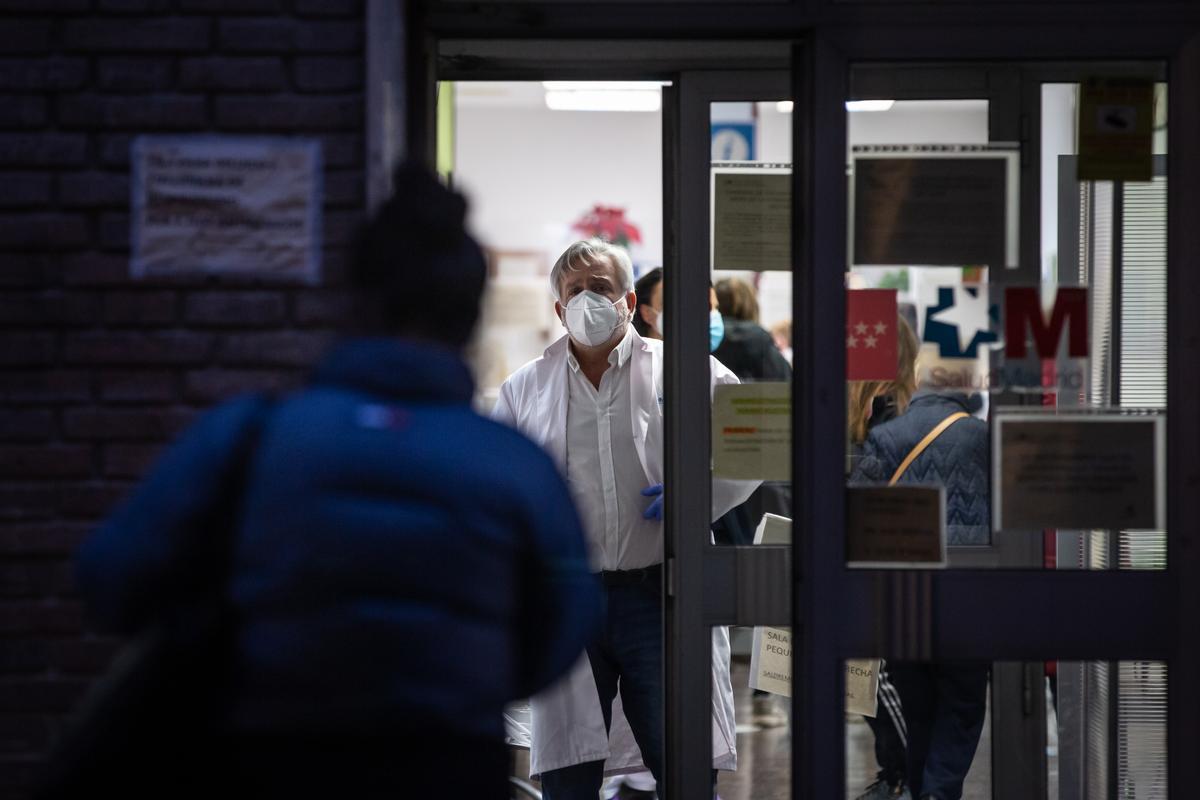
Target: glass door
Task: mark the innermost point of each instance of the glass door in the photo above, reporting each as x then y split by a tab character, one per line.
726	297
1059	677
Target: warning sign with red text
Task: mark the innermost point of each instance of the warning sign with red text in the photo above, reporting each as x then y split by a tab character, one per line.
752	431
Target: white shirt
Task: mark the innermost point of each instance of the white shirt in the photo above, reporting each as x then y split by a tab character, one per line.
603	469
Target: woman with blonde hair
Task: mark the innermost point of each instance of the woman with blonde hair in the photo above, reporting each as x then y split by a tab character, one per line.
872	402
932	440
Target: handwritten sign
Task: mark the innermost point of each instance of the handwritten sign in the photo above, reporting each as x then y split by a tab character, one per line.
224	204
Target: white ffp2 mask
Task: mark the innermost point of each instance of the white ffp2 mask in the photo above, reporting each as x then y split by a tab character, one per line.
592	318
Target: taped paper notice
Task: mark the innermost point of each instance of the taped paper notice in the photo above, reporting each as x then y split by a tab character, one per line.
752	219
934	207
862	686
771	661
1116	129
226	204
752	431
889	526
1083	472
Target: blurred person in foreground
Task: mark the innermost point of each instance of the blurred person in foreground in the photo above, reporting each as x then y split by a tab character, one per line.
594	400
401	567
930	440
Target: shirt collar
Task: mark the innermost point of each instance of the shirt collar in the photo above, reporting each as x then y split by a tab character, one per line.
617	358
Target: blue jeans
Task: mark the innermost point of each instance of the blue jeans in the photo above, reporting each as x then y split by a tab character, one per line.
943	705
628	656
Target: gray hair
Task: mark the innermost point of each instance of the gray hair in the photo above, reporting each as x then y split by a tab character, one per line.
587	253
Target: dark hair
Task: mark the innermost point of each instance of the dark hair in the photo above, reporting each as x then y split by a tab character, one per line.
415	269
644	288
736	299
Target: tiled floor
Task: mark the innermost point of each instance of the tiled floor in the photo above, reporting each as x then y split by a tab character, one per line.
764	756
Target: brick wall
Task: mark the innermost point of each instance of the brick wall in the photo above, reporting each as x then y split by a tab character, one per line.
98	371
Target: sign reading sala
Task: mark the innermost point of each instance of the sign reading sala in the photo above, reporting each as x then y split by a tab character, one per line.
1044	346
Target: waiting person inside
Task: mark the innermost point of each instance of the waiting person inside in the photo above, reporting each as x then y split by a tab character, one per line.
594	401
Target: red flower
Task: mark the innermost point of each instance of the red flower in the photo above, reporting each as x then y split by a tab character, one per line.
608	223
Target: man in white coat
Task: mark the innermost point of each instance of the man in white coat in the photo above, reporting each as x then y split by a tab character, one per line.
594	400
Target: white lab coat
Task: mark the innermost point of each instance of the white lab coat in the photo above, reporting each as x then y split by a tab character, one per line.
567	724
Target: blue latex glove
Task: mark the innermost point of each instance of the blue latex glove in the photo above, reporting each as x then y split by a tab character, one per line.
655	509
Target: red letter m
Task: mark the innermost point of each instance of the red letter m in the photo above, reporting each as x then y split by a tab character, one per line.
1023	312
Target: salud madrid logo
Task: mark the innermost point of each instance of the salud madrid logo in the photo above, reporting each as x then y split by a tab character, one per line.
1035	357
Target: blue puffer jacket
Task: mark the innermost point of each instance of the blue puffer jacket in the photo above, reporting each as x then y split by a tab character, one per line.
402	563
956	460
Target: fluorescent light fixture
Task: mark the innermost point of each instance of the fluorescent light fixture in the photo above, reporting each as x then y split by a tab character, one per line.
785	106
869	105
604	86
604	100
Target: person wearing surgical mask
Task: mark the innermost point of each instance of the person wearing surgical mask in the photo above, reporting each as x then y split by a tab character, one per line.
648	316
594	401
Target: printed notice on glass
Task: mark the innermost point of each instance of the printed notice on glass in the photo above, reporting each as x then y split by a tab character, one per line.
226	204
862	686
771	671
752	431
952	208
895	526
1116	129
771	660
1078	471
752	219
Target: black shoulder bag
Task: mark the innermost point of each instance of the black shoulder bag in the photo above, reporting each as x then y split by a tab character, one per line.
152	725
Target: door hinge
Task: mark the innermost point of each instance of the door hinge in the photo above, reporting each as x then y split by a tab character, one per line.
670	577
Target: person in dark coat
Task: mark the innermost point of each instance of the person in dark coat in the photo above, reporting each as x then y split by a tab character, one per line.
943	703
747	348
750	353
402	567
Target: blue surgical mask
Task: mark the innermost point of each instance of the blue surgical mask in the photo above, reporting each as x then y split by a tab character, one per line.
716	330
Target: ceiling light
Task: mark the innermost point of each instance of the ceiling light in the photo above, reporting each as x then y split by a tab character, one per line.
603	86
869	105
612	100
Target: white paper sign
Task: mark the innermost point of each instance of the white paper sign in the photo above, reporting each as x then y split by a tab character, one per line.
771	661
752	218
771	650
752	431
862	686
226	204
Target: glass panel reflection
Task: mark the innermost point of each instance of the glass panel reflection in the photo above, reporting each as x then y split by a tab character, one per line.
751	302
1104	735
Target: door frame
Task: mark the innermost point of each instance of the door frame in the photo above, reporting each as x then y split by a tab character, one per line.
1081	615
991	610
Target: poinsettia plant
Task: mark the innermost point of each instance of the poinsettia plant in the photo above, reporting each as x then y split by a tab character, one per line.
608	223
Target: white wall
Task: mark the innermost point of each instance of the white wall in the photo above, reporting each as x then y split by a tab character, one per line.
530	172
921	122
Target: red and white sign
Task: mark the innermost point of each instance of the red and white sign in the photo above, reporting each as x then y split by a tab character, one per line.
870	334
